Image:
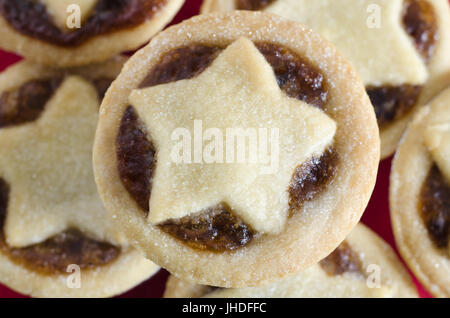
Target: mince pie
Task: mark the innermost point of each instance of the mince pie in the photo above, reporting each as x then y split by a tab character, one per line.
401	48
420	196
78	32
362	266
233	142
52	221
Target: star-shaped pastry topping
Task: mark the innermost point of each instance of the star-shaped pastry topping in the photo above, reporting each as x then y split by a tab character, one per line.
57	9
369	33
47	164
238	90
437	133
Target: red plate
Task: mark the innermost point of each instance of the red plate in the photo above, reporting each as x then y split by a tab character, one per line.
376	216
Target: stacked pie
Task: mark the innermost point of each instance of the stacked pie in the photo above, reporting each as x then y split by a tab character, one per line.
401	48
420	196
53	226
236	223
77	32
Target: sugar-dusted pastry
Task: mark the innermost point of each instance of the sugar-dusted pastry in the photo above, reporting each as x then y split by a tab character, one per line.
56	239
78	32
401	48
362	266
236	149
420	196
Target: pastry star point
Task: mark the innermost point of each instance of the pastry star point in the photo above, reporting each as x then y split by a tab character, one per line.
369	33
60	10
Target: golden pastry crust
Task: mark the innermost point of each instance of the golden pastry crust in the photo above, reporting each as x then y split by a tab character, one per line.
323	223
129	270
314	282
177	288
124	272
95	50
410	168
438	67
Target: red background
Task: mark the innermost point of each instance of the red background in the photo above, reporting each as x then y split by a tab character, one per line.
376	215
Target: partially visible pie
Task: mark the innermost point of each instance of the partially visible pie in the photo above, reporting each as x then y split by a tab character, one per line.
420	196
217	211
401	48
78	32
362	266
52	221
